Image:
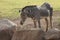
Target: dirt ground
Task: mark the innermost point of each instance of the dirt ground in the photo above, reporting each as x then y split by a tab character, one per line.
29	22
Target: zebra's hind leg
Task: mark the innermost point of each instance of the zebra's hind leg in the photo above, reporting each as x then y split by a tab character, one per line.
51	21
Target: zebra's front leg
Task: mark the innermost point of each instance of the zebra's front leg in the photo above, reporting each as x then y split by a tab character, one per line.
39	24
46	24
51	21
34	23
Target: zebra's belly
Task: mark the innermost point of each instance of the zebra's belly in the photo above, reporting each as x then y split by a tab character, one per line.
41	17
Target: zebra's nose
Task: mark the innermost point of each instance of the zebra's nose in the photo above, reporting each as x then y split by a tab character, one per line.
21	23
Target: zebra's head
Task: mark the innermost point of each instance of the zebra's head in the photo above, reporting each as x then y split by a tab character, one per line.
23	18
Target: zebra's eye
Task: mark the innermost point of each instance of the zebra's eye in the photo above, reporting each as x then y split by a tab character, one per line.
29	11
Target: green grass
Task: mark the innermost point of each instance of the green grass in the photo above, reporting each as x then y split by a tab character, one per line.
9	8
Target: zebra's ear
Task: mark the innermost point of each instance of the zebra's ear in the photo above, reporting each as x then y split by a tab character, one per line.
19	10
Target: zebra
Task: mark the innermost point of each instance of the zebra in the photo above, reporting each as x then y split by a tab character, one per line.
37	13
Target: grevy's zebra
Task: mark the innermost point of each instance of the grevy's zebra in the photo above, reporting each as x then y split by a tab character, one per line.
37	13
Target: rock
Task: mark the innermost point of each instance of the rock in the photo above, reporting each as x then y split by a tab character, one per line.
53	34
29	34
7	29
7	24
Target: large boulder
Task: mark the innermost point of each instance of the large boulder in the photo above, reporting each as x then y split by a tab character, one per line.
53	34
29	34
7	29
